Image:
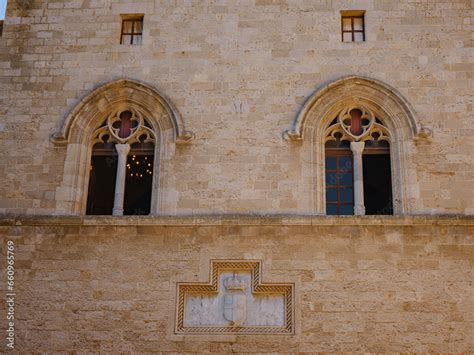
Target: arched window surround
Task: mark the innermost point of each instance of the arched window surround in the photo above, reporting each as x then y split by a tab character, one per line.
77	134
388	105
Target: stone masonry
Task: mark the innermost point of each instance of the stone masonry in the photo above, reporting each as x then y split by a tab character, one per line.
239	94
238	72
365	284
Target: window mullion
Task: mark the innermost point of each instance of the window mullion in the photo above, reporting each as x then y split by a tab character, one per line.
352	29
133	28
122	150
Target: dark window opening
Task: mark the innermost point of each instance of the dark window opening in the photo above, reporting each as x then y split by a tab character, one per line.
138	184
1	28
102	182
132	29
377	183
352	26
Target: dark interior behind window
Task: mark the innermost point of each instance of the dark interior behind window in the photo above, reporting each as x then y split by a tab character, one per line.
377	184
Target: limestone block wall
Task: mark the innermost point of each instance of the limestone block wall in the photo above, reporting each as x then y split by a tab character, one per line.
376	284
238	72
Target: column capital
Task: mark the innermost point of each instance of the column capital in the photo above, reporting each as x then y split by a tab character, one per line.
357	147
122	149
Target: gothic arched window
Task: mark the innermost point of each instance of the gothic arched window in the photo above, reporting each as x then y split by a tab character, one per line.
382	122
121	171
118	140
357	164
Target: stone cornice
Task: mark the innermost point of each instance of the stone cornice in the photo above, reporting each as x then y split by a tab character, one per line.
239	220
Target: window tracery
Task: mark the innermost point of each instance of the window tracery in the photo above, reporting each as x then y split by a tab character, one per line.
122	155
357	123
124	126
356	141
394	112
159	128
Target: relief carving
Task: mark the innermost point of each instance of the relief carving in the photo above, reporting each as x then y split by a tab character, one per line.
235	301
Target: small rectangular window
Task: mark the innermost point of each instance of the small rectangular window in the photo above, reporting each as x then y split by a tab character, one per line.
353	26
132	29
1	28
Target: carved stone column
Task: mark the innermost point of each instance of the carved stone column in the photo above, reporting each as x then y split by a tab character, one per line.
357	149
122	150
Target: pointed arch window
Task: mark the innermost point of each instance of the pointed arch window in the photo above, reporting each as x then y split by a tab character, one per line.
397	120
121	170
112	116
357	164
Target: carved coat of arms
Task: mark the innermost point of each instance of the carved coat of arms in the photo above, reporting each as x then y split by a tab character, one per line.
235	301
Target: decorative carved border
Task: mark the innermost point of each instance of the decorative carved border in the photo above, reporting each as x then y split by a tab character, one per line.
217	266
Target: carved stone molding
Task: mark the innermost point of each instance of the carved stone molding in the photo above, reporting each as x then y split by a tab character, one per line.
235	302
292	136
357	87
425	136
162	112
185	137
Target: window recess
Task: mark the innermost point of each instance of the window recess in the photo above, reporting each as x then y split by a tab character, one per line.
132	29
353	26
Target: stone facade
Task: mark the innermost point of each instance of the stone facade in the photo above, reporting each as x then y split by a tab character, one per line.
368	284
237	255
238	73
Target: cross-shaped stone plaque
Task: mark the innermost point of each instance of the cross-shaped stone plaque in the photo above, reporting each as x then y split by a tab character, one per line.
235	302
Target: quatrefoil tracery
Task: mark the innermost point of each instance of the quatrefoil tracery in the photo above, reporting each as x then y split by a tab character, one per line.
357	123
124	127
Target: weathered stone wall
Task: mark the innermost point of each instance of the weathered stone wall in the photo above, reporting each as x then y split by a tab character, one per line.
373	284
238	72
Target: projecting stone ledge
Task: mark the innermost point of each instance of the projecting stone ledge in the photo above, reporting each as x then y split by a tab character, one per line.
262	220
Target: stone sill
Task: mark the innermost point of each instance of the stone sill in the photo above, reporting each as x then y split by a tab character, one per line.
246	220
